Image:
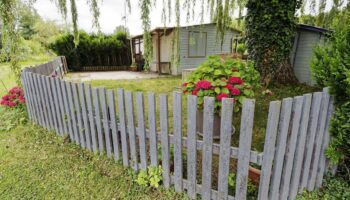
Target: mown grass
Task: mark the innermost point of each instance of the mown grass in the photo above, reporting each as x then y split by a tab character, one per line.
37	164
169	85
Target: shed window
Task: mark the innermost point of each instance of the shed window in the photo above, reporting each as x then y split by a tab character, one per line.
197	45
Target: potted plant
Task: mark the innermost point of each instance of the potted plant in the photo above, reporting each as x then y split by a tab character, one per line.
221	77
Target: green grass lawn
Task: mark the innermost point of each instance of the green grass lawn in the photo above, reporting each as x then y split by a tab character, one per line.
168	85
37	164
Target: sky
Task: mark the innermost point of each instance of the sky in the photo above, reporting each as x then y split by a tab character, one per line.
112	12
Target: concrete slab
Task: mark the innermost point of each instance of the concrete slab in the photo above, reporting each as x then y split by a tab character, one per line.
111	75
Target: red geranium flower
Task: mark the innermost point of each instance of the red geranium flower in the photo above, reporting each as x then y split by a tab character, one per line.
195	92
185	91
203	84
221	96
229	86
184	84
235	80
235	92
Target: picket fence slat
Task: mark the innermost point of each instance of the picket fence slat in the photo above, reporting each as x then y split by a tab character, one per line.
93	134
152	129
225	144
38	101
106	128
96	100
77	103
291	145
141	132
281	141
51	104
35	100
131	128
163	105
84	113
72	112
67	110
318	141
114	127
61	106
177	117
269	149
26	93
57	108
245	142
124	136
191	146
44	101
315	110
208	124
47	103
30	96
300	146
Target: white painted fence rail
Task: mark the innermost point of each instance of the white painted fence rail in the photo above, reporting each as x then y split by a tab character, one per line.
293	158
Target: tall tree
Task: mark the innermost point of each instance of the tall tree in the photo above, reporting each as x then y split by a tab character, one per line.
270	28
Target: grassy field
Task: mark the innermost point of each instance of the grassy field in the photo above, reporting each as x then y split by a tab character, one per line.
37	164
168	85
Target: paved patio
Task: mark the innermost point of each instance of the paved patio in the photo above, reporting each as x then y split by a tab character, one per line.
111	75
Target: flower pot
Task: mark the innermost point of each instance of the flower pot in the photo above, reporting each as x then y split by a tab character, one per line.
254	175
216	128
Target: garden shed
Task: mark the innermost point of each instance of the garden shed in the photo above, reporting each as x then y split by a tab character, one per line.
306	38
196	43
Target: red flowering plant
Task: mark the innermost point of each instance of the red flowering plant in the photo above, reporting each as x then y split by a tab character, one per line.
222	78
14	98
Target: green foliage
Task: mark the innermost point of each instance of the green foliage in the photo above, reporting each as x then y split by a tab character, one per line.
94	50
241	48
331	67
150	177
219	72
12	117
270	28
252	190
332	189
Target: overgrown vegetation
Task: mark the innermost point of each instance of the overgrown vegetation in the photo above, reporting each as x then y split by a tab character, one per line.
331	67
94	50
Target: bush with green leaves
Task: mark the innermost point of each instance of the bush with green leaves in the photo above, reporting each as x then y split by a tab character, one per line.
150	177
331	67
252	190
222	78
94	50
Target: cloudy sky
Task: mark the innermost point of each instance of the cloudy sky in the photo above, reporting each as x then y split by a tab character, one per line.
112	12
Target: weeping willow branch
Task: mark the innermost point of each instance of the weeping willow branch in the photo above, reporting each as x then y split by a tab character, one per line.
10	36
147	39
62	6
74	14
96	14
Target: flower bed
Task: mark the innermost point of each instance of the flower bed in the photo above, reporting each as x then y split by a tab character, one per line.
14	98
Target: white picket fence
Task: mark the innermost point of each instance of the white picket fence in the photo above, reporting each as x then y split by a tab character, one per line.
293	158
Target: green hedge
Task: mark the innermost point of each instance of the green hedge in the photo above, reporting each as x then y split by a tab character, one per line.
94	50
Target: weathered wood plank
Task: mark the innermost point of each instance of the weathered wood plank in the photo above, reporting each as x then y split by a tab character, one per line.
67	110
61	106
30	96
77	103
291	146
84	113
208	123
163	103
131	129
52	104
225	143
93	134
114	126
177	117
191	146
322	164
73	112
152	129
38	99
26	93
269	149
318	141
298	158
315	110
124	136
57	108
106	128
96	100
141	129
34	98
47	103
42	99
245	142
281	142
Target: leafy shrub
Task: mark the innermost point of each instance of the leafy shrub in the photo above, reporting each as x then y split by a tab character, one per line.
252	190
94	50
222	78
331	67
14	98
241	48
150	177
332	189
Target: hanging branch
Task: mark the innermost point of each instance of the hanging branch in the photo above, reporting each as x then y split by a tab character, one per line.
147	39
75	21
96	14
62	7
